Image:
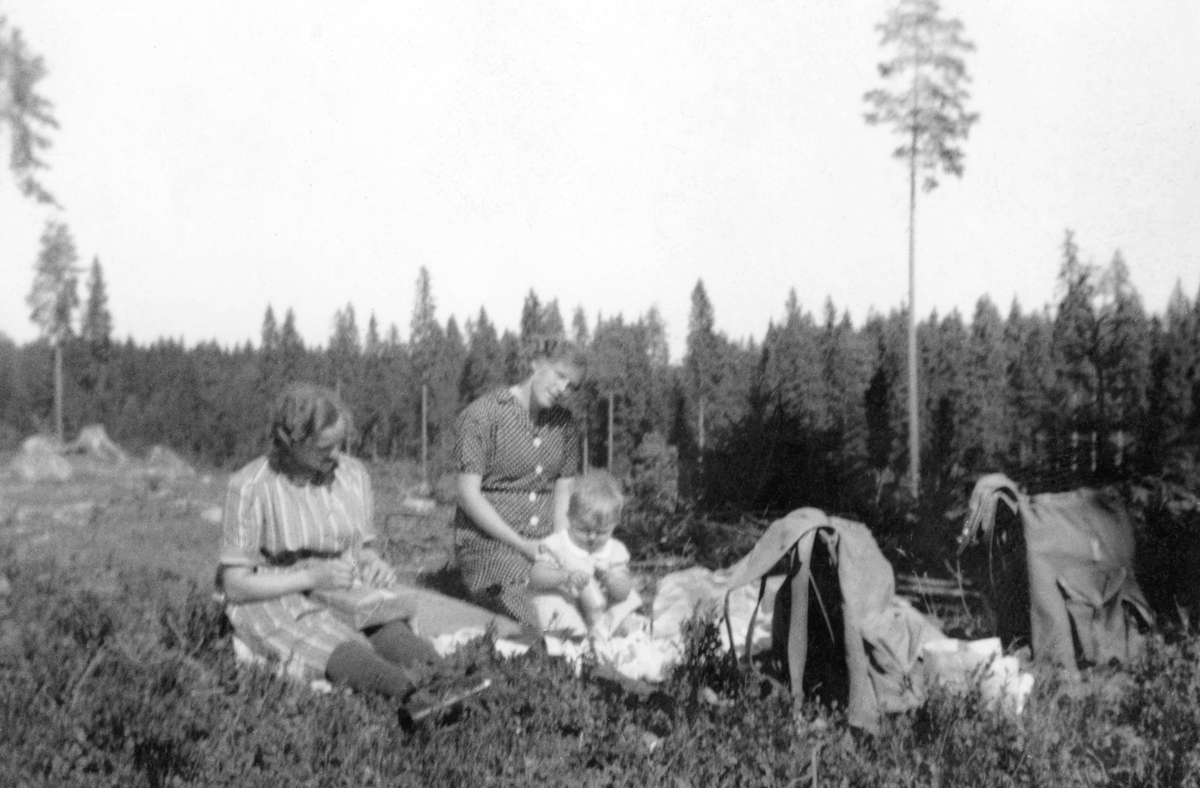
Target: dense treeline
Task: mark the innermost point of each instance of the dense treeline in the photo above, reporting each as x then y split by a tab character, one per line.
1092	388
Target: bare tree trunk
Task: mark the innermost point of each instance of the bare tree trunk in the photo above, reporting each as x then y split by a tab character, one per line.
610	432
586	461
425	433
58	390
914	434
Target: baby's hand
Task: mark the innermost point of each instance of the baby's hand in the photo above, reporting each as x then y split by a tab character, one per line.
576	581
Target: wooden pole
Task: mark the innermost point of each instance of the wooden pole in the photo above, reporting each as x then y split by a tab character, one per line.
425	433
914	440
58	389
586	462
610	432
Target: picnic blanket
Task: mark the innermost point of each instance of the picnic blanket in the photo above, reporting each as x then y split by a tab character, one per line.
430	614
892	652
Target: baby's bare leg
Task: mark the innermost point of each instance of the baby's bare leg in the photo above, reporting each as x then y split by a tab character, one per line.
592	603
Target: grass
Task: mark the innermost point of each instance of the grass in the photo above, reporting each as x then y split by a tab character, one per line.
116	670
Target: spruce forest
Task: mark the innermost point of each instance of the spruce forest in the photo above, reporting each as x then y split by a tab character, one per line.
1090	388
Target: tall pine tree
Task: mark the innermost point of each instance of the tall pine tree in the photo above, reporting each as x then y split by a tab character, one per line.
345	354
987	423
579	327
53	300
25	113
483	368
1174	396
97	326
702	364
293	355
425	333
924	102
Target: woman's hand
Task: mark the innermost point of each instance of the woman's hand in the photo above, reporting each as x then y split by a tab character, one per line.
472	501
330	575
241	584
375	571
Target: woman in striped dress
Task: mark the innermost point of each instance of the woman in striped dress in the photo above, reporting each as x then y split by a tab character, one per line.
298	523
516	450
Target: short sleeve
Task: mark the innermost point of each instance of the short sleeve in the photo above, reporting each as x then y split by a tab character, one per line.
473	439
619	555
241	533
367	496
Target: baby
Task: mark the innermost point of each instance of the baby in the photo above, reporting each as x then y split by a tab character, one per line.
582	572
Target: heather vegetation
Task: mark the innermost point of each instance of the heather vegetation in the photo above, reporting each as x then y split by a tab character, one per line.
116	669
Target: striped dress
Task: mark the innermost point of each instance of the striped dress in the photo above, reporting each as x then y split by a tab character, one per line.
272	525
519	461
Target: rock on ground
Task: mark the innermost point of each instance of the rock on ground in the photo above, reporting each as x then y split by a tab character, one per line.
163	462
93	441
40	460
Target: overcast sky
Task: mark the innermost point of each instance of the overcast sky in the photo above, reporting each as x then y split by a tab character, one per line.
221	156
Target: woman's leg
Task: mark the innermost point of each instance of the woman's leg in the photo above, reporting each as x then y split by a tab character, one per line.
396	642
495	576
358	665
515	602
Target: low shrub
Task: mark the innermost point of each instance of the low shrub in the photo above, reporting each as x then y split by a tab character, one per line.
141	689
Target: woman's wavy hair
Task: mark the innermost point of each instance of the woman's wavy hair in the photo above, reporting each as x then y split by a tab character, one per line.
551	348
301	411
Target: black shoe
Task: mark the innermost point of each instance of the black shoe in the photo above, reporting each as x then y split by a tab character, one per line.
434	699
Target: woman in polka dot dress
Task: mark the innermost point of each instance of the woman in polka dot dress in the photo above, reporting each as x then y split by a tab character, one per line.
516	451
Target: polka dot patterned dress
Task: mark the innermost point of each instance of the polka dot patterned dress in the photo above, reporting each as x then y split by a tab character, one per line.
519	461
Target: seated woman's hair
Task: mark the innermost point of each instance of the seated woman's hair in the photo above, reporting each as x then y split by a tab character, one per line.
301	411
553	349
596	494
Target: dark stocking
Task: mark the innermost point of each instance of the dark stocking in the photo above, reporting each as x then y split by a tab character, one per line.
358	665
397	643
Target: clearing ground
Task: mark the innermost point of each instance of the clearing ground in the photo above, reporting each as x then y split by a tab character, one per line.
106	519
116	670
